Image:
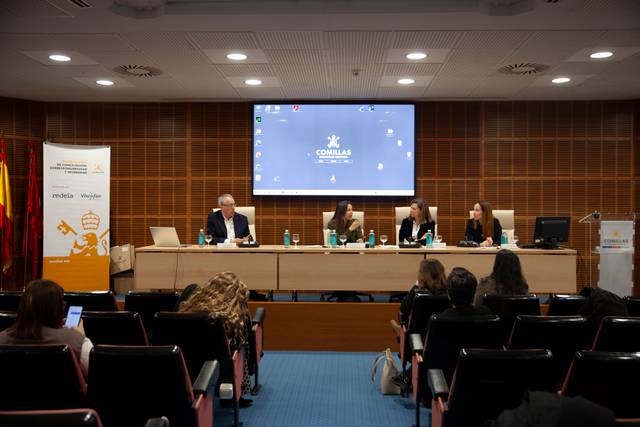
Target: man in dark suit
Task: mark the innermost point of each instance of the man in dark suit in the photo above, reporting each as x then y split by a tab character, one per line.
225	225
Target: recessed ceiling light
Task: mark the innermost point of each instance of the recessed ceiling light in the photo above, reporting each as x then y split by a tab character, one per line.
59	58
406	81
236	56
414	56
601	55
105	82
253	82
561	80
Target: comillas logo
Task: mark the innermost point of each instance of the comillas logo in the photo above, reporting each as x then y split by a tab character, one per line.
333	151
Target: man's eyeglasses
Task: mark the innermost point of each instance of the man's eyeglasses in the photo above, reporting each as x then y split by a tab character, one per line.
228	204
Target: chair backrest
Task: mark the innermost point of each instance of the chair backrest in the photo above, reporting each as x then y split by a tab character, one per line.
40	377
490	381
250	213
618	334
402	212
424	306
128	385
565	305
199	337
114	327
446	337
92	301
7	319
147	304
633	305
609	379
326	217
563	335
507	221
51	418
510	306
9	301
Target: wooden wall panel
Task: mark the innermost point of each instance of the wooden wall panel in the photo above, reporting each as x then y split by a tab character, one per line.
171	161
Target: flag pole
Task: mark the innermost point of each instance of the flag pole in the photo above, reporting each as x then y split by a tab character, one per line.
26	253
1	262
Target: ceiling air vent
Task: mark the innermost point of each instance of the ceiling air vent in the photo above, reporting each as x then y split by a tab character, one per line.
80	3
525	69
137	71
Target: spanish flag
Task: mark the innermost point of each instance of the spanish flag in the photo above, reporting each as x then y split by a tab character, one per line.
6	212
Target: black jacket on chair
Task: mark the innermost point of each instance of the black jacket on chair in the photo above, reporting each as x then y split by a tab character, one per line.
406	231
477	234
216	227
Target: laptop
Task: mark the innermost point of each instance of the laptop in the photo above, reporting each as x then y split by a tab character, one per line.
166	237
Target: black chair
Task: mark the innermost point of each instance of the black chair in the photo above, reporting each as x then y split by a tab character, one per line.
40	377
609	379
424	305
7	319
563	335
147	304
442	344
9	301
486	383
92	301
633	305
565	305
618	334
345	296
129	385
51	418
510	306
256	344
114	327
201	339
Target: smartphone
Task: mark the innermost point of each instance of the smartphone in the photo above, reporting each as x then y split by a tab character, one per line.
73	316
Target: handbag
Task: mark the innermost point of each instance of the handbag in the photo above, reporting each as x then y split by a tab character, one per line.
389	370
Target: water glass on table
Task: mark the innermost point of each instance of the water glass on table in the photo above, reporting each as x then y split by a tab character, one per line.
296	239
383	239
208	238
343	239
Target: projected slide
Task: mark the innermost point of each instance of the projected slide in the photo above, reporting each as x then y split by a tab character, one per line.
337	149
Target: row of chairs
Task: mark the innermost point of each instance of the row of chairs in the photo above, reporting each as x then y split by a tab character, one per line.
81	417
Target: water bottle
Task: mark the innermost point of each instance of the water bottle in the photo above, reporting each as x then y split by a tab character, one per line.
201	238
372	239
504	239
287	239
333	238
429	239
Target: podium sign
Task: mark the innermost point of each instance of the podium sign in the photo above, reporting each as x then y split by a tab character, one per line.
616	256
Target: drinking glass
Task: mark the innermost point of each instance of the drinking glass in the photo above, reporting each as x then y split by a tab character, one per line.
343	239
438	238
515	240
208	238
296	239
383	239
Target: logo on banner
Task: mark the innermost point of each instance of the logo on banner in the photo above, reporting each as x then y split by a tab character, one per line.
333	153
88	242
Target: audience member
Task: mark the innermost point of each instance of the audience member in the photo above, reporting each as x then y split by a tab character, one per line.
505	279
461	287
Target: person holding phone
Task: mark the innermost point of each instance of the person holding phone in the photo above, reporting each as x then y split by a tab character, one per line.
41	320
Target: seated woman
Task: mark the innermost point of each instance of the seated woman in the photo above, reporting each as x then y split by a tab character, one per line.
40	320
344	223
483	228
225	296
505	279
414	228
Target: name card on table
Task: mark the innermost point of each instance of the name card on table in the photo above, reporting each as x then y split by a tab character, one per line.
440	245
511	246
356	245
228	245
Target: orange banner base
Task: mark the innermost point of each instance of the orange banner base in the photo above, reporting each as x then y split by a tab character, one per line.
88	273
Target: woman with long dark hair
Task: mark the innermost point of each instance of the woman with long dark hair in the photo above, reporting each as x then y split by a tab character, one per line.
483	228
414	228
344	223
505	279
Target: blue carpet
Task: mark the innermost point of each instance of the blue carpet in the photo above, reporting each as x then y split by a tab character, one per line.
321	389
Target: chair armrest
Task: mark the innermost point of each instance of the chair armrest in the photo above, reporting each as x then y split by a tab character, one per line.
401	319
437	383
258	316
416	343
157	422
207	377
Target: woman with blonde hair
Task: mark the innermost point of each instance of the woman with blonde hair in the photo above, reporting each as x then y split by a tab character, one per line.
225	296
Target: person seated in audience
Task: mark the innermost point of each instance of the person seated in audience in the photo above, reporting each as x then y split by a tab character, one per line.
344	223
225	296
461	287
185	295
414	228
431	279
225	224
505	279
483	228
40	320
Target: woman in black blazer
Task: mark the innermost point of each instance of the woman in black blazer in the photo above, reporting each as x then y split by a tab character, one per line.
483	228
414	228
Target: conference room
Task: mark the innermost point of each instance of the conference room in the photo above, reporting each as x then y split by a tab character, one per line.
319	213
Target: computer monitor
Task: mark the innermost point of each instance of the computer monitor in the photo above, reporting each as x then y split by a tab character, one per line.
551	230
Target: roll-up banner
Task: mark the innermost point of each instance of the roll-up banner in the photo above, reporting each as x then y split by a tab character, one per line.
76	216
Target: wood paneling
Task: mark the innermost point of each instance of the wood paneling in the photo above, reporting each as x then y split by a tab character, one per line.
171	161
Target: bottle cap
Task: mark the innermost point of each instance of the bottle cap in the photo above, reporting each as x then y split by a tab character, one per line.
371	231
286	231
201	229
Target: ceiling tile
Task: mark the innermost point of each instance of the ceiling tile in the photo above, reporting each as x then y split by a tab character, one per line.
357	40
424	39
224	39
492	39
291	39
